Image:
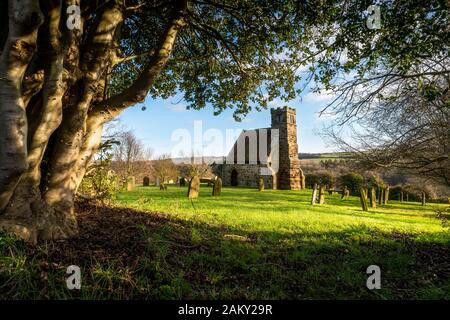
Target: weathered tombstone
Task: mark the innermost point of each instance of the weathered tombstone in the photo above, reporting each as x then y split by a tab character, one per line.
302	180
194	187
261	184
321	194
373	197
314	194
380	196
158	181
146	181
423	198
386	195
363	198
217	189
131	182
345	193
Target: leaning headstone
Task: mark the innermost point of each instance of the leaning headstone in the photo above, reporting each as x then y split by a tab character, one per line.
131	183
314	194
373	197
194	187
261	184
386	195
146	181
363	198
321	194
217	188
382	196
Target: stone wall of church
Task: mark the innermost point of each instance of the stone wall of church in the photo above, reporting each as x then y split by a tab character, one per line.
247	176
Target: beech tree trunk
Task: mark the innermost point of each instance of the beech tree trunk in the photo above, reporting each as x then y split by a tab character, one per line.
53	107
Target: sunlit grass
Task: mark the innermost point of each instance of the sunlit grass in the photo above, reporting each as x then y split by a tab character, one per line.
244	244
289	212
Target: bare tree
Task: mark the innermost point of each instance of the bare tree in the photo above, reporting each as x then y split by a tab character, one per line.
130	154
165	168
409	128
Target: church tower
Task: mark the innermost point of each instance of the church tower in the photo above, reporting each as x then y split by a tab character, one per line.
284	119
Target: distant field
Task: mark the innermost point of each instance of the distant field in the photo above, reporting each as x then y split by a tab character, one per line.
244	244
325	156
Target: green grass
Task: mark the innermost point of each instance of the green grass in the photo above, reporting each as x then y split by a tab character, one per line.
289	213
244	244
281	246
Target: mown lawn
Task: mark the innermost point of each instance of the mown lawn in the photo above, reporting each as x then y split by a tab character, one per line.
244	244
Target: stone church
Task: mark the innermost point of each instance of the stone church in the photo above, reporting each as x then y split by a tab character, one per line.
253	154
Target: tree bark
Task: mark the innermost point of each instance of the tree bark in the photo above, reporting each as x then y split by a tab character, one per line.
25	17
53	111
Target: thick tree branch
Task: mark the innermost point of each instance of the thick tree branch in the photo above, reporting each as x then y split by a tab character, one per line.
137	92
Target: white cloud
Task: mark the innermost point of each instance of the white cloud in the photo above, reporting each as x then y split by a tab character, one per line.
176	107
323	96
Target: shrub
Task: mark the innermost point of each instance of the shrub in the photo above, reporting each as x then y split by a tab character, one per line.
322	178
311	179
353	181
100	182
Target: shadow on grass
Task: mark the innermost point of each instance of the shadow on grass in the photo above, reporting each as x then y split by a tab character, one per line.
128	254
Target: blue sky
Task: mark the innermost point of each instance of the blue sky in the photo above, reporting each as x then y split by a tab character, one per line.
155	125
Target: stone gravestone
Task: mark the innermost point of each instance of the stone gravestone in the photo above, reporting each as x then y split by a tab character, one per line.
386	195
146	181
162	186
131	182
302	180
158	181
363	198
194	187
217	188
373	197
345	193
321	194
314	194
261	184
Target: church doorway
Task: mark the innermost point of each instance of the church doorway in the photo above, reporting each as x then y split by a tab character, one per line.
234	178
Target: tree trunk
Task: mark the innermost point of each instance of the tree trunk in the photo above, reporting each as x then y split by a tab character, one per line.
45	148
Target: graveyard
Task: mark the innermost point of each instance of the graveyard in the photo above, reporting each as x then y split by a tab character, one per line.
243	244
